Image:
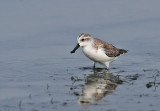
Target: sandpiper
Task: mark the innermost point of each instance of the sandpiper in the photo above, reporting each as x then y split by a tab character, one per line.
97	50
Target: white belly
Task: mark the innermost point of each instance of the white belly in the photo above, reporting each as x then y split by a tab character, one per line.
97	55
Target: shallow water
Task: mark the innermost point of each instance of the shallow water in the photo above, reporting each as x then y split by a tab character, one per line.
37	72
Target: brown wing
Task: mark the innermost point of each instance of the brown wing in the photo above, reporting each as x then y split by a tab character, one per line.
110	50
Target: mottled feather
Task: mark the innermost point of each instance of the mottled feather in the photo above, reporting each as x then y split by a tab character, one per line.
110	50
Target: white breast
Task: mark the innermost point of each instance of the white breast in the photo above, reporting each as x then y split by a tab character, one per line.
96	55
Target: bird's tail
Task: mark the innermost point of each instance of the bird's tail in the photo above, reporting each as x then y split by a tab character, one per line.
123	51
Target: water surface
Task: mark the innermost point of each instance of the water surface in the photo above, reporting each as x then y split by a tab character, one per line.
37	72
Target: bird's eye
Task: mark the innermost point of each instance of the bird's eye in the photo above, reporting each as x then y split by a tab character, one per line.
82	39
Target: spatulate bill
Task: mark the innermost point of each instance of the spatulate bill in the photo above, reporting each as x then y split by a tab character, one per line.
74	50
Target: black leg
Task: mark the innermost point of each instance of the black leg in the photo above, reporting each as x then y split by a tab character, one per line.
94	66
108	70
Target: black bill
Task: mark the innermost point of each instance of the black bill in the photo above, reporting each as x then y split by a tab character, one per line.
74	50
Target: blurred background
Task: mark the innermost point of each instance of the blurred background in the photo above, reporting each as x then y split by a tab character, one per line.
36	37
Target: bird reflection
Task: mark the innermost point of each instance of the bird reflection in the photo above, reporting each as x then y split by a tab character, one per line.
97	86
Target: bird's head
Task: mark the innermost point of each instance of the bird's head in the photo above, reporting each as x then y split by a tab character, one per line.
84	39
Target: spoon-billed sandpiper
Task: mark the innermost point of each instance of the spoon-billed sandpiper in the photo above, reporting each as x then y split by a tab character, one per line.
97	50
